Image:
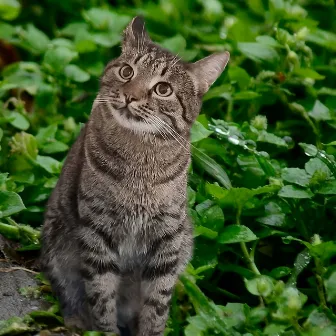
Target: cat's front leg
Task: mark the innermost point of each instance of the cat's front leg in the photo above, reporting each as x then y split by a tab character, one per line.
157	298
101	292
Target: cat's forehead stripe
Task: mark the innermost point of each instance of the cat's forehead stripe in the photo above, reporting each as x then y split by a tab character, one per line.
156	60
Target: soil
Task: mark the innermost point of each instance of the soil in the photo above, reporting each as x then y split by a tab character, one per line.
12	303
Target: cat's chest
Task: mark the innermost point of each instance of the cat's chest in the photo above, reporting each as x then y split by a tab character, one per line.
134	244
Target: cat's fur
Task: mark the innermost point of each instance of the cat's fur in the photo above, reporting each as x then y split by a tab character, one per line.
116	233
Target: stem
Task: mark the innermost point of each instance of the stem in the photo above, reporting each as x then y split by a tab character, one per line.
248	258
250	262
229	110
319	282
297	328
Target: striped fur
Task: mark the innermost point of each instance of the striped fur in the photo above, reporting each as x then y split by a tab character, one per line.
116	234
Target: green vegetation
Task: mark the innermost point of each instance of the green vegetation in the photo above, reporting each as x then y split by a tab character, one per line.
262	189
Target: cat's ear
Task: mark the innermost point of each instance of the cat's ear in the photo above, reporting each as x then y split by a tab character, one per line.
208	69
135	34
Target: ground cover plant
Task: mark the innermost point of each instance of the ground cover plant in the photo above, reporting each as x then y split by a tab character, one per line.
262	187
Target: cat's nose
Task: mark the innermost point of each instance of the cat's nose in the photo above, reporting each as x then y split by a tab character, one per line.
129	98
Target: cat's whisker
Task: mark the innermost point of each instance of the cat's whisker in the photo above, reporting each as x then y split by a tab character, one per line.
179	136
147	115
157	127
167	128
164	126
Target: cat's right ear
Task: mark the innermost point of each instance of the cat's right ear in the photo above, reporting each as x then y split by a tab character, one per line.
208	69
135	34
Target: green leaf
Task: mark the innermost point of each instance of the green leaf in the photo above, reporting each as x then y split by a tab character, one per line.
271	138
320	112
212	215
240	76
54	147
290	191
96	333
25	177
268	40
76	74
24	143
236	234
258	52
58	58
6	31
310	150
316	165
296	176
327	188
211	167
212	7
274	329
280	272
261	285
9	9
256	6
218	92
17	120
51	182
46	318
3	179
46	134
203	306
196	327
237	197
332	143
34	40
301	262
246	95
74	28
175	44
103	19
308	73
323	38
22	75
14	326
62	42
272	220
324	251
205	232
10	203
191	196
9	231
321	319
258	315
198	132
235	314
106	40
330	286
49	164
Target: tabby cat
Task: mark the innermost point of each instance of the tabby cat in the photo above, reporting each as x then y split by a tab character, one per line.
116	234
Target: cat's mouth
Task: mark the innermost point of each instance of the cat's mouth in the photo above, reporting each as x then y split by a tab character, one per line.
129	118
125	112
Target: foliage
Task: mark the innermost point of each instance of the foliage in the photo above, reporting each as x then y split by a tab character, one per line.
262	187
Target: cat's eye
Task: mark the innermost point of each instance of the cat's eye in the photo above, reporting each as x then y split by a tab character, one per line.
163	89
126	72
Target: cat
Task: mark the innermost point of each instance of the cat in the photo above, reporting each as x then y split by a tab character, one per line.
116	233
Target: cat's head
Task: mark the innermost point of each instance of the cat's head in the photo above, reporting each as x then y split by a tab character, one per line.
149	89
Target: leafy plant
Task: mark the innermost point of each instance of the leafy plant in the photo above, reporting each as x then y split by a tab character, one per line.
262	184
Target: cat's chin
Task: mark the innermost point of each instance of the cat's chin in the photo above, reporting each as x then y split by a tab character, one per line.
127	120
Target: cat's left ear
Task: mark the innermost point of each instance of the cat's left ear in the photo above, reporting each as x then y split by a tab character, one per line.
208	69
135	34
